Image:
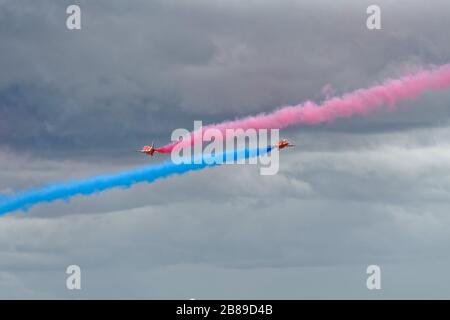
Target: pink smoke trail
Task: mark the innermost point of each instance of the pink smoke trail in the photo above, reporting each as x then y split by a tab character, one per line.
362	102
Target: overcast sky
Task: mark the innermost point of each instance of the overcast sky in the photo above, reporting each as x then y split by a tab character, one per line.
355	192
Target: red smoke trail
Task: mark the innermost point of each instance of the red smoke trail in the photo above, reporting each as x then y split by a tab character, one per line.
362	101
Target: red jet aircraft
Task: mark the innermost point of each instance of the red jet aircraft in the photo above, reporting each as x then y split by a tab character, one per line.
148	150
283	144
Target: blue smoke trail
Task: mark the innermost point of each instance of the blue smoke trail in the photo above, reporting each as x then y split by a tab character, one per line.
64	191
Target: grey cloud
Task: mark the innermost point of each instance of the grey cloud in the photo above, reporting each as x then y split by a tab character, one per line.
352	193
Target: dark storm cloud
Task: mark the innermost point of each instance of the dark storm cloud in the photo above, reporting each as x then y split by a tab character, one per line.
136	71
